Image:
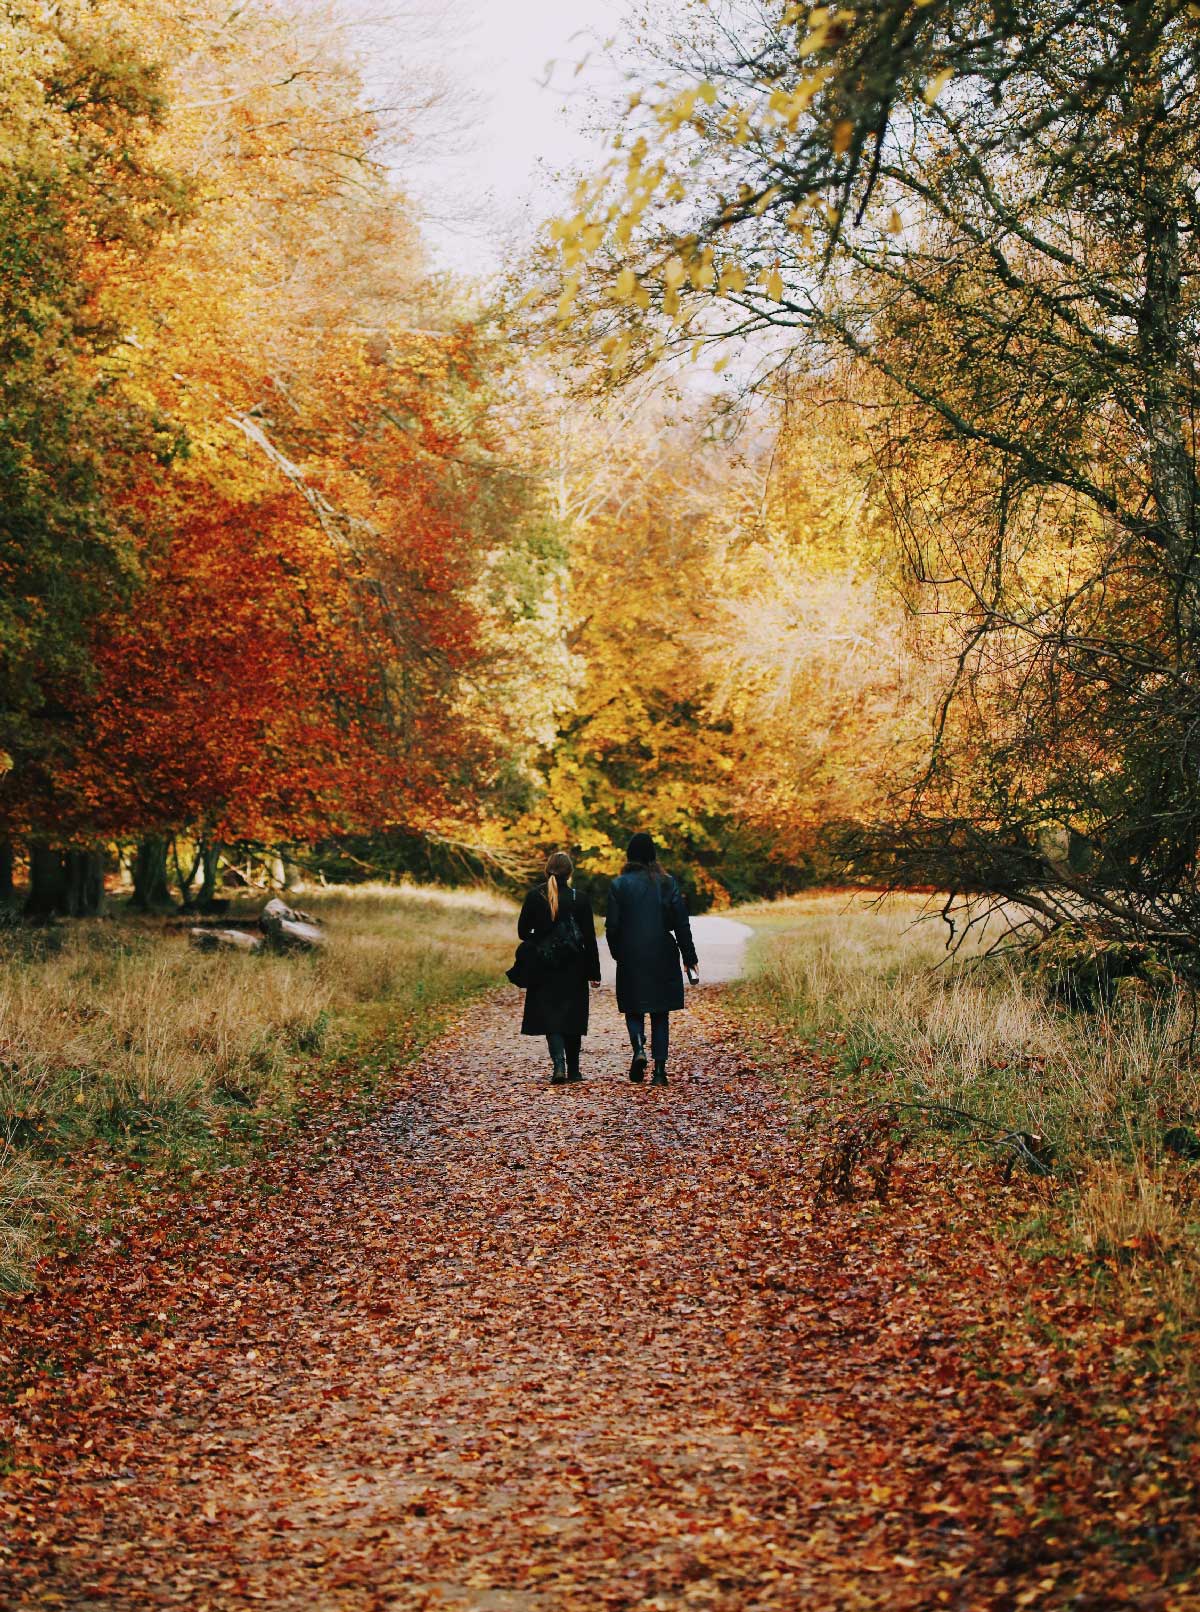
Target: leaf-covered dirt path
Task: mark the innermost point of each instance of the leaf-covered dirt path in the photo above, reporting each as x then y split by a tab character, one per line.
515	1347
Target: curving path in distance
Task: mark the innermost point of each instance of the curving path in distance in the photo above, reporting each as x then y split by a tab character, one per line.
721	944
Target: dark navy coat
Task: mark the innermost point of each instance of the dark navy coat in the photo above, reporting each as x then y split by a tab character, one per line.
647	930
557	1003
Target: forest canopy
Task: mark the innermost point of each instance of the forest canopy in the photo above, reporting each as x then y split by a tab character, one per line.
821	496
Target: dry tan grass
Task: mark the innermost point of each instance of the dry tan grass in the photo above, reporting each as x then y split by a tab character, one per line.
26	1190
152	1023
1131	1208
871	987
1140	1221
120	1030
876	985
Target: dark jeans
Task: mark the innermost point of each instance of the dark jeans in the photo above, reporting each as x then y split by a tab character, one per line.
566	1046
660	1033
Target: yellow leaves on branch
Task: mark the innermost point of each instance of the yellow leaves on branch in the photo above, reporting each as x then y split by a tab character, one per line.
568	297
826	29
618	350
937	84
578	237
703	272
771	281
612	209
788	106
732	280
681	109
629	289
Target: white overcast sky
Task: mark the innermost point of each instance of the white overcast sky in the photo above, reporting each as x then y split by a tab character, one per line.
485	175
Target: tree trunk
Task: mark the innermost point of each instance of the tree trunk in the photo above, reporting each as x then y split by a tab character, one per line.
65	884
284	927
151	889
208	884
237	940
47	882
6	870
185	880
1161	325
84	879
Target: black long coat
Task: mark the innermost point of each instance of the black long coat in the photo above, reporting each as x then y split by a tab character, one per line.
648	929
557	1004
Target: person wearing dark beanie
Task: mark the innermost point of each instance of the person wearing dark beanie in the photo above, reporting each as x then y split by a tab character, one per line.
648	930
642	850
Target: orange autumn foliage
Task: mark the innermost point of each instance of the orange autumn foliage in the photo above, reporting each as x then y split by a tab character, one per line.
293	664
292	667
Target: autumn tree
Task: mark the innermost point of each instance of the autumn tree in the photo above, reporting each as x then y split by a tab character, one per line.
737	671
815	665
80	196
647	511
306	653
989	210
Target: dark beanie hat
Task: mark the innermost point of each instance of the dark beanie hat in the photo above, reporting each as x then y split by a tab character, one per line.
642	849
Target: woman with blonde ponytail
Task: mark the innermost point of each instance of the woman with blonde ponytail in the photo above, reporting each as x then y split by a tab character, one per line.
554	872
558	933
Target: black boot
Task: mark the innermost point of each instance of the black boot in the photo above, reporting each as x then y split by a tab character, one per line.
559	1077
659	1077
572	1047
637	1069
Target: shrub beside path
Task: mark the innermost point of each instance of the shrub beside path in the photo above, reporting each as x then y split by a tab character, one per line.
513	1347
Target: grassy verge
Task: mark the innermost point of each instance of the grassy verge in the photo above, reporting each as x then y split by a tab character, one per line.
979	1050
122	1048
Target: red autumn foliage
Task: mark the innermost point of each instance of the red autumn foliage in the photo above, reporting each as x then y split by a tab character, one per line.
293	664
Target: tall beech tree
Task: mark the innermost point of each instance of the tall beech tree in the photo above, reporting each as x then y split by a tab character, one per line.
80	196
294	665
811	658
635	746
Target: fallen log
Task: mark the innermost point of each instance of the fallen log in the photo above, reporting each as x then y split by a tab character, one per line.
286	927
238	940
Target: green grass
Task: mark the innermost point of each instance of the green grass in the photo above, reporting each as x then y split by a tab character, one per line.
118	1038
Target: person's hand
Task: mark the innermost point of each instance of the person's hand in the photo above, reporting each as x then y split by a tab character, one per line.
595	982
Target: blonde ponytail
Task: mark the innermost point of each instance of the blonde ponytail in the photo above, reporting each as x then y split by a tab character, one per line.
559	867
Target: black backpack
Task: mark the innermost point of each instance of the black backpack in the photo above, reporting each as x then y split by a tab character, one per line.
564	945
